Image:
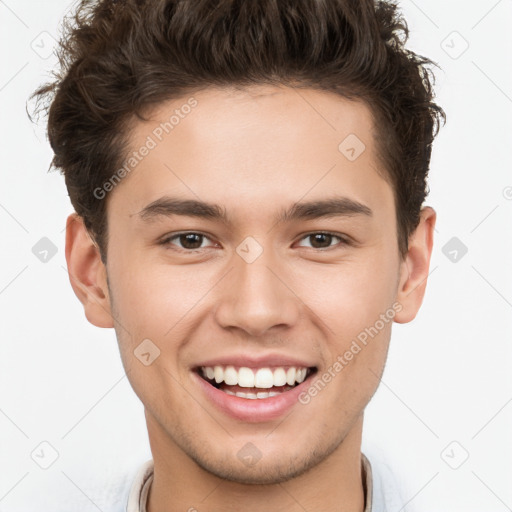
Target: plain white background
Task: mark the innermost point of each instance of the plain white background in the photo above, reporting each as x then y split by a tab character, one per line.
443	413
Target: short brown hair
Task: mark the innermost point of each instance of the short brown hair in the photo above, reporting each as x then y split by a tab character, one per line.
119	58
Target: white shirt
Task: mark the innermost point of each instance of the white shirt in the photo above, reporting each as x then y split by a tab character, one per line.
382	494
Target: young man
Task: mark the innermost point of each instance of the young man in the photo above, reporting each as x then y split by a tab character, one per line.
248	179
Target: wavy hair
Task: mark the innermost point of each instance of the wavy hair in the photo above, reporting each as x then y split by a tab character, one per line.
118	59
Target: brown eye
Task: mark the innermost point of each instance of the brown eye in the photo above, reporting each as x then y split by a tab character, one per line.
322	240
191	240
186	241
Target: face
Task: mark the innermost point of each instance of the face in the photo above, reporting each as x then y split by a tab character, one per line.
256	254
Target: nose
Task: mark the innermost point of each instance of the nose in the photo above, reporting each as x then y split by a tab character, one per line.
257	297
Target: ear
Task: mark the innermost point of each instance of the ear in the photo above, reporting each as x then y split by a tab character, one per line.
87	273
414	268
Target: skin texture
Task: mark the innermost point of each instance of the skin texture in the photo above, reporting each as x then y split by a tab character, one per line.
255	152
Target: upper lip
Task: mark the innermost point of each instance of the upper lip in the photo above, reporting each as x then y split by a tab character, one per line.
253	361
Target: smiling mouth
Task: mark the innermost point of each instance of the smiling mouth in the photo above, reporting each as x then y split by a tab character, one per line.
255	383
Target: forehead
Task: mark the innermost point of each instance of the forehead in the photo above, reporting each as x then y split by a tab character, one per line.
255	147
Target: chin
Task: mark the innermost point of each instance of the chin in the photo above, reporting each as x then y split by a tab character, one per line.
250	466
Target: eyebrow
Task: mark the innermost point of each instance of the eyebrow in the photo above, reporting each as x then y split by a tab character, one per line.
338	206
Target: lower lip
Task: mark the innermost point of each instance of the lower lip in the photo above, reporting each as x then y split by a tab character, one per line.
252	411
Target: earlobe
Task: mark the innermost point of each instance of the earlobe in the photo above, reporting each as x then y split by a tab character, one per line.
415	267
87	274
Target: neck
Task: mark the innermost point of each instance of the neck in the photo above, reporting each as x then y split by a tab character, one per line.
179	484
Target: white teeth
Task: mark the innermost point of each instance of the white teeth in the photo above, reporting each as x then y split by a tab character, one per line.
245	377
218	373
263	378
290	376
279	377
230	376
254	396
301	375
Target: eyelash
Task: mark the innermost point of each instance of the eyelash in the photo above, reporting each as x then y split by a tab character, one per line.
167	240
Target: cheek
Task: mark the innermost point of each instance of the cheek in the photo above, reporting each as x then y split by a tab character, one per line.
150	298
350	296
